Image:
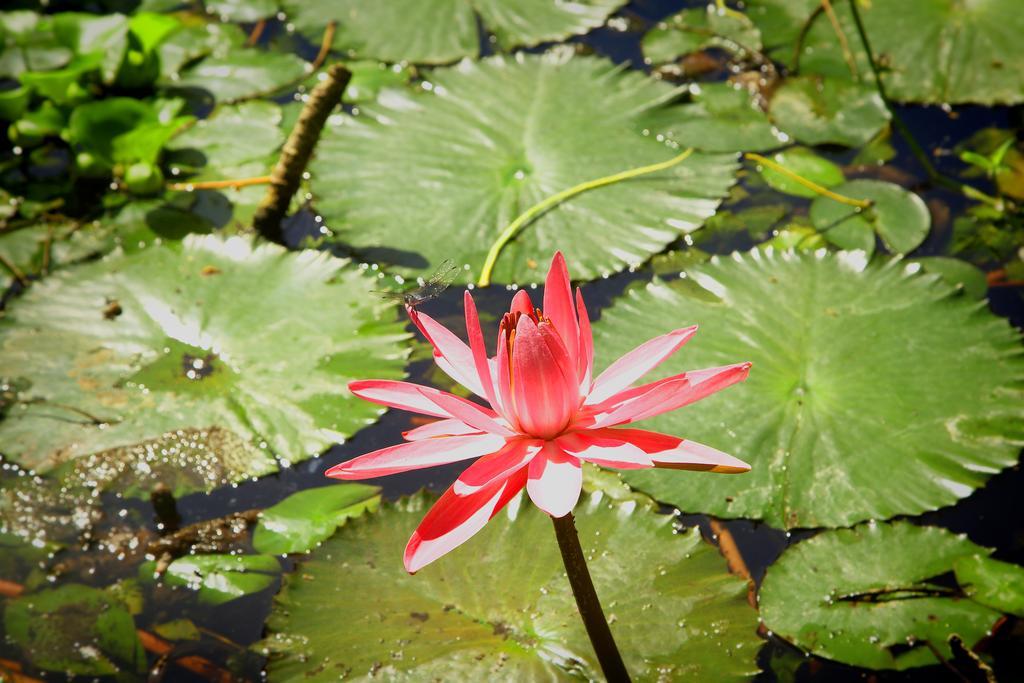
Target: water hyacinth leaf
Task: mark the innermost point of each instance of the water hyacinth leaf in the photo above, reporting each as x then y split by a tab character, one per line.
75	629
698	29
304	519
899	216
820	111
243	74
957	273
438	175
29	43
933	51
867	596
194	343
806	164
441	31
489	614
719	118
193	42
995	584
842	350
219	578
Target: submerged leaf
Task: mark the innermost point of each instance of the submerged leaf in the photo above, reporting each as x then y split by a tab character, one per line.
219	578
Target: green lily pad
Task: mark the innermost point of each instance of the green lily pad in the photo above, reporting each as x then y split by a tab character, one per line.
439	174
899	216
440	31
855	408
868	596
304	519
28	43
219	578
720	118
806	164
931	50
241	10
243	73
995	584
178	629
488	611
193	42
370	77
76	630
819	111
957	273
189	351
122	130
698	29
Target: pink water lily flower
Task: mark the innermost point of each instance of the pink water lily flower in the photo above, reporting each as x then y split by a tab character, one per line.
547	414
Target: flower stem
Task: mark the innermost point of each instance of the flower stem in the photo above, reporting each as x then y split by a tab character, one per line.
548	202
586	600
809	184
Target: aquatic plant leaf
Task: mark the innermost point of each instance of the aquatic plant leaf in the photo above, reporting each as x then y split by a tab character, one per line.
719	118
304	519
243	73
241	10
932	51
899	216
370	77
995	584
435	175
187	353
440	31
855	407
496	614
75	629
957	273
28	43
806	164
218	578
820	111
867	596
698	29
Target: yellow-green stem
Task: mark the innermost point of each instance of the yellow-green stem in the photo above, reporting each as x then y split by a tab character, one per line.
512	229
809	184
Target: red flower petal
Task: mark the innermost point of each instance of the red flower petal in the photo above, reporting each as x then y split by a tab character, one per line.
637	363
555	481
416	455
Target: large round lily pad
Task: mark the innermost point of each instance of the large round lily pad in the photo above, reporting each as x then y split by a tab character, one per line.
211	352
937	51
439	31
493	610
874	391
421	177
868	596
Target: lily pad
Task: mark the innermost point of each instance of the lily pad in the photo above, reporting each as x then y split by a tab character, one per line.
191	341
995	584
699	29
869	597
819	111
899	216
957	273
720	118
219	578
435	175
805	164
493	613
440	31
304	519
243	73
855	408
76	630
932	50
241	10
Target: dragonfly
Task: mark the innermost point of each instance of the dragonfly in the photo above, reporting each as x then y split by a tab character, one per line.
431	288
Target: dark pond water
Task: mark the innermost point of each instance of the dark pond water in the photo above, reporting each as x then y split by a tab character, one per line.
991	516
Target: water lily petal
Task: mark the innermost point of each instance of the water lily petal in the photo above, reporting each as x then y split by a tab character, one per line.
690	455
512	457
396	394
451	354
472	414
559	309
604	447
555	480
543	401
416	455
585	369
668	394
640	406
453	520
432	430
479	350
521	303
637	363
